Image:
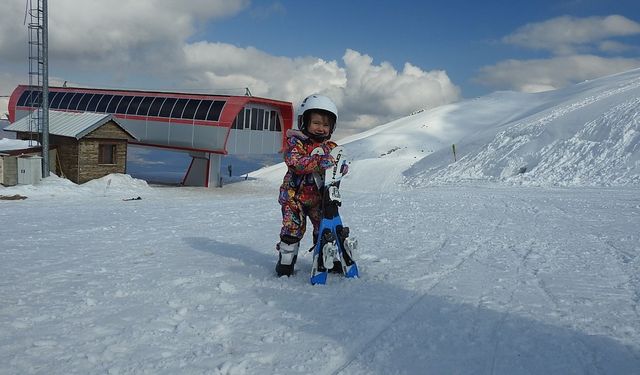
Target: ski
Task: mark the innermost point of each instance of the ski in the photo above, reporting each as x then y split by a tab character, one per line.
333	248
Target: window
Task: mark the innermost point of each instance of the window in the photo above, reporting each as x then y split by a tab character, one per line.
93	103
82	106
190	109
254	119
278	126
265	120
124	104
165	111
64	103
24	98
154	109
102	106
106	153
247	118
55	103
143	108
52	96
178	108
113	104
75	100
133	106
239	123
272	120
216	109
203	109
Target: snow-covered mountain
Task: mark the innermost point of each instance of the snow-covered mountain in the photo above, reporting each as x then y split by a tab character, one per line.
587	134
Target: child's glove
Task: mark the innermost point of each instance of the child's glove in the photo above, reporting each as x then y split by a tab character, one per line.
344	168
326	161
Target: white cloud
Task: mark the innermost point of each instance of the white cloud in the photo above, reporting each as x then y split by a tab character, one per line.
568	35
578	47
152	40
553	73
366	94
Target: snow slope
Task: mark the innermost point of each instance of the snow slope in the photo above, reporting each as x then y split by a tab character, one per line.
465	267
587	134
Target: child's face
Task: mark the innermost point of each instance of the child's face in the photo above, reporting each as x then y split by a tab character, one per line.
319	125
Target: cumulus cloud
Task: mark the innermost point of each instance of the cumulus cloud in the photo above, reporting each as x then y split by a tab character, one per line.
156	41
579	48
569	35
367	94
553	73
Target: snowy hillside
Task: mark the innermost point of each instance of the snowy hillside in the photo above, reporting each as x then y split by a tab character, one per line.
587	134
463	270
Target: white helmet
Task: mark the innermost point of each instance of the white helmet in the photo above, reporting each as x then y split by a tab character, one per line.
319	102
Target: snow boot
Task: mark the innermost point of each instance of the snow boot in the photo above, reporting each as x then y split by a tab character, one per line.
288	254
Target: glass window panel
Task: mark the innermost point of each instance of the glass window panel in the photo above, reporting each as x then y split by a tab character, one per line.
75	100
84	101
64	103
190	108
144	106
167	106
178	108
93	103
25	98
52	95
124	104
102	105
240	117
154	109
254	119
278	126
272	120
55	103
247	118
133	105
216	109
260	125
265	122
203	109
113	104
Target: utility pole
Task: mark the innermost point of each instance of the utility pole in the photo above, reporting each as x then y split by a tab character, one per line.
45	89
39	76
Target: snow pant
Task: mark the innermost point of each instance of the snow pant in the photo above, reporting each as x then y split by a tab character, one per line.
294	220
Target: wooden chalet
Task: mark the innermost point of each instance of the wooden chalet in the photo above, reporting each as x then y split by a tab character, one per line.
89	145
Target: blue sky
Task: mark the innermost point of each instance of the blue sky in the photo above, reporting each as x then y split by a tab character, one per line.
456	35
379	60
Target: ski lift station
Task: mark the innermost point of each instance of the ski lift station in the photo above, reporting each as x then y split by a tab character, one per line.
204	126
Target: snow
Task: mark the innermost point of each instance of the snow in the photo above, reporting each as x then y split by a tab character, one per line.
466	266
13	144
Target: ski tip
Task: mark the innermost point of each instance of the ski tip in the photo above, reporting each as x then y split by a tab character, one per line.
319	279
352	272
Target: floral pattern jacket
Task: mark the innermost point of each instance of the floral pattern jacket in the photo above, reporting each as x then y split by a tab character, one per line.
298	185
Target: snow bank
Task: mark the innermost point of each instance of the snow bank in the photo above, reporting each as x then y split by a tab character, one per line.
115	184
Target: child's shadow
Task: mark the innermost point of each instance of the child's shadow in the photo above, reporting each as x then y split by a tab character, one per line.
244	255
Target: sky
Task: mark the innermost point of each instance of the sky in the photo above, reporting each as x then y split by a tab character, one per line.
377	60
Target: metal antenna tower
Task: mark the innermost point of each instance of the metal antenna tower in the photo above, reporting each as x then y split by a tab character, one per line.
39	74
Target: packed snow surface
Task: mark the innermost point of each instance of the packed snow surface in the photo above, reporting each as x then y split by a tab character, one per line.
521	257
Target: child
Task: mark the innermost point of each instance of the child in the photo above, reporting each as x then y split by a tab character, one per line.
306	154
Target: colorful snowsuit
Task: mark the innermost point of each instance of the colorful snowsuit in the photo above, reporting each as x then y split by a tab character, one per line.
299	195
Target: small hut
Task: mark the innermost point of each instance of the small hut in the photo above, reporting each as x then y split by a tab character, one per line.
89	145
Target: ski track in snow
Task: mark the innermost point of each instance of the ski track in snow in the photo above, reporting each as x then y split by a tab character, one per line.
478	279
